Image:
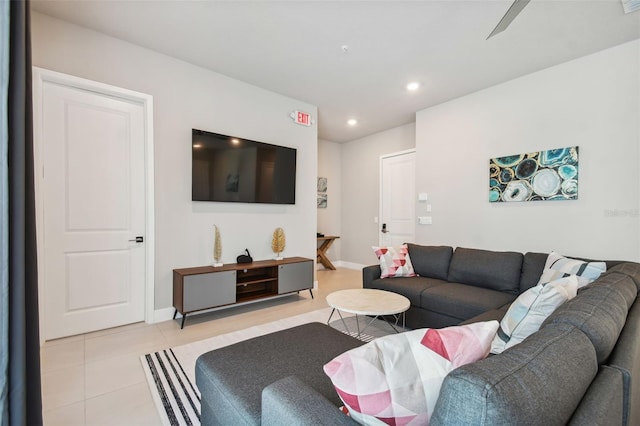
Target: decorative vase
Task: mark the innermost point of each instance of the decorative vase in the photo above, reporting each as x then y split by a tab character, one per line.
217	247
278	243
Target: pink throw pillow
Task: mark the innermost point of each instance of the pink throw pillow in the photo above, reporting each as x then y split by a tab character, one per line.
396	379
394	261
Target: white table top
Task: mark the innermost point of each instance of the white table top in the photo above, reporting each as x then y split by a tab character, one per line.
366	301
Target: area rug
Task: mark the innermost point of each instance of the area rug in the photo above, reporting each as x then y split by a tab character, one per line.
171	372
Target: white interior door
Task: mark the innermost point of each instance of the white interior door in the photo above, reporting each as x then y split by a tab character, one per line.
397	198
93	203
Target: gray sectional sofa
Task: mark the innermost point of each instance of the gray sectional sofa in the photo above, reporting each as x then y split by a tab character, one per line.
461	285
581	367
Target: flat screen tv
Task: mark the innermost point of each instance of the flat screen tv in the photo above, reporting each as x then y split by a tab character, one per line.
231	169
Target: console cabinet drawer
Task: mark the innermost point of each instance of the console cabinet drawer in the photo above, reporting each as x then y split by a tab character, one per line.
295	277
204	291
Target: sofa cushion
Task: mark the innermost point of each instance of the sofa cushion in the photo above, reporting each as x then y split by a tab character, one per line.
291	398
602	404
394	261
599	312
488	269
463	301
626	358
530	309
630	269
431	261
532	267
558	266
540	381
396	379
411	288
231	379
622	283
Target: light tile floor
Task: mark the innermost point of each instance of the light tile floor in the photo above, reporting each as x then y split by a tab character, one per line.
97	378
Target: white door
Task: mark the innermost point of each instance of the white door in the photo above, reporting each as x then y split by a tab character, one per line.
397	198
93	203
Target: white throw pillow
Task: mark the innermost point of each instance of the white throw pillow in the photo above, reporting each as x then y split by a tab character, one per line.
396	379
527	313
558	266
394	261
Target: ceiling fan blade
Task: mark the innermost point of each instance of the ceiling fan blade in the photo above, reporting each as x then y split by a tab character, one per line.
514	10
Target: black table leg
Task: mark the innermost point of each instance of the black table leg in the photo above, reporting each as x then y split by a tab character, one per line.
184	317
175	313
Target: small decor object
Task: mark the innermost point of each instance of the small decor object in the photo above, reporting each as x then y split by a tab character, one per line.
217	247
245	258
278	242
394	261
536	176
396	379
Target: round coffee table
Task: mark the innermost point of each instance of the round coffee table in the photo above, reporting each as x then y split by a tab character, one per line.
365	301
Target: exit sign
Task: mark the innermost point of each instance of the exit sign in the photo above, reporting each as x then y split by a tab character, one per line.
302	118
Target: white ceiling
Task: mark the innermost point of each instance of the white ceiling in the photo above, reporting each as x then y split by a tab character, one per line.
294	47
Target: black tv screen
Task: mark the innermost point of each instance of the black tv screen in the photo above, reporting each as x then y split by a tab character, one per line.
230	169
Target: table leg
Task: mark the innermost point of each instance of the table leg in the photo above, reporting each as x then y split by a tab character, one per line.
322	254
344	323
332	311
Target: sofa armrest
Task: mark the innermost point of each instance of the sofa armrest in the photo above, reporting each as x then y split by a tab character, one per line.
291	401
370	273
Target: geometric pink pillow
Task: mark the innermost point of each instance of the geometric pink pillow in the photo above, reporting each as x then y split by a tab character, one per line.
396	379
394	261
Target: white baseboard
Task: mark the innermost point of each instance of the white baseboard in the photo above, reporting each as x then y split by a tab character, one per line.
349	265
165	314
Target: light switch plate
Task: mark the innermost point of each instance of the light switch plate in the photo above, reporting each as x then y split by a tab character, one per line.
425	220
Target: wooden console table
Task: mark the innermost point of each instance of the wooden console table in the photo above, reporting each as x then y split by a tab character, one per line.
322	251
206	287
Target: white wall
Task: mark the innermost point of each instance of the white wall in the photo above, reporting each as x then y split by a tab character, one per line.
186	97
361	189
592	102
329	219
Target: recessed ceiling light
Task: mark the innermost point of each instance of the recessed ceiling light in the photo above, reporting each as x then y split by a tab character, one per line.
352	122
197	145
413	86
235	141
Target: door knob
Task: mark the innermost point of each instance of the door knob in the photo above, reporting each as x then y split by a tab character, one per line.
384	229
137	240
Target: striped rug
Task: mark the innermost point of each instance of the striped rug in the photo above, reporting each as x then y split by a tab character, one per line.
171	372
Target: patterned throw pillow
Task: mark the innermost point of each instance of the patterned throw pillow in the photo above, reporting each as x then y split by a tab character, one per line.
558	266
396	379
527	313
394	261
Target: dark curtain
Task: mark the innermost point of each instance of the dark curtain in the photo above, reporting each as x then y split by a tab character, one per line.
24	390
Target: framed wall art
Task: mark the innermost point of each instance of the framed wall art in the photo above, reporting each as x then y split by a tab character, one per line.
536	176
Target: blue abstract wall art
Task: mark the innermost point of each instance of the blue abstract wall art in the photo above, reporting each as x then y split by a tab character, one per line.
536	176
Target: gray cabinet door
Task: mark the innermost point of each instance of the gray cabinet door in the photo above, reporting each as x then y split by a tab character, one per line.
295	277
204	291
